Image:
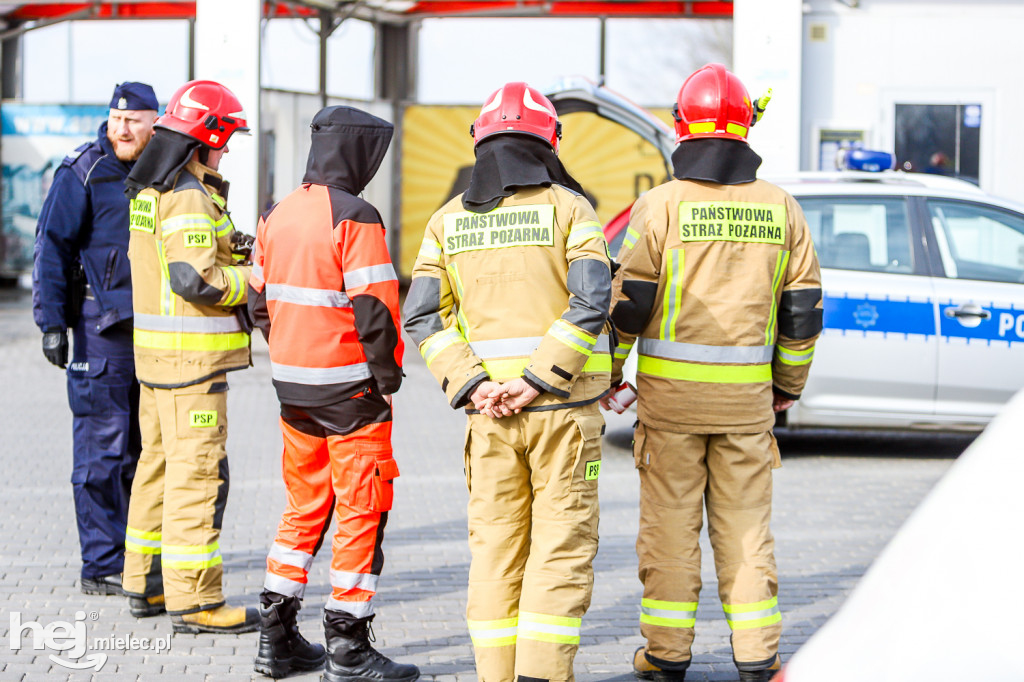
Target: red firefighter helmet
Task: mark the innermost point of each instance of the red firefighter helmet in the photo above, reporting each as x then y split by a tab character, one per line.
206	111
712	103
518	108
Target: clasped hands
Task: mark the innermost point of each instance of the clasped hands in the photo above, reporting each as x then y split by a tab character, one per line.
502	400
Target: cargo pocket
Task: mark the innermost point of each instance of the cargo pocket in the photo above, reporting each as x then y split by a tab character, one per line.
773	448
466	469
587	463
84	392
639	440
378	469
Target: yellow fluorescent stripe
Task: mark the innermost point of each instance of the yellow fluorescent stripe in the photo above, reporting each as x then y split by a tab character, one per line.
574	346
581	335
735	129
142	534
669	605
140	549
239	284
487	643
712	374
780	267
223	226
755	606
673	294
548	637
598	362
190	341
526	617
705	127
758	623
668	622
433	346
191	564
192	549
183	221
500	624
505	369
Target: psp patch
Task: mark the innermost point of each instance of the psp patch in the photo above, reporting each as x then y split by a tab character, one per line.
592	471
199	419
198	239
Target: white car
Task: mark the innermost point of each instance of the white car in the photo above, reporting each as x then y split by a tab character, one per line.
923	279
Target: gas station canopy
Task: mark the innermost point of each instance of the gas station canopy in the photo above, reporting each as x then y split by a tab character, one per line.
385	11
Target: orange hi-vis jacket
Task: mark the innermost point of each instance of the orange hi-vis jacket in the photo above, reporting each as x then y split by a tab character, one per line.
324	291
185	283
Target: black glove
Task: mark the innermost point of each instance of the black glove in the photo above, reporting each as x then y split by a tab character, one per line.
55	347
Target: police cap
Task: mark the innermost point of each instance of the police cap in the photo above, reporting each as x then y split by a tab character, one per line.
135	96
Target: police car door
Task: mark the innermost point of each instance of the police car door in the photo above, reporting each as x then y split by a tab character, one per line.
874	364
981	307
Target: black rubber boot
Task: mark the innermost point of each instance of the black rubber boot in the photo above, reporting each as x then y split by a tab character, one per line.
282	649
759	672
350	658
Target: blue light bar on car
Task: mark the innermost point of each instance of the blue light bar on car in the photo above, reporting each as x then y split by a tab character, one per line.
868	160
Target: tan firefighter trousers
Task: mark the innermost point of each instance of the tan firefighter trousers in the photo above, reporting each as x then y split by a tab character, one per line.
533	513
178	497
731	475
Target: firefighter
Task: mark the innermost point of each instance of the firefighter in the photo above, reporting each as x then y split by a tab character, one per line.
325	296
508	305
720	283
191	328
81	280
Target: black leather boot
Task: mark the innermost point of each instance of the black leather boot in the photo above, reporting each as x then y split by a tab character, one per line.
350	658
282	649
762	671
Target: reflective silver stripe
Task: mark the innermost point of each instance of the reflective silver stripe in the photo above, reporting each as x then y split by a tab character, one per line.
320	376
795	357
202	556
290	557
286	293
285	586
359	609
142	541
186	324
665	613
493	634
694	352
362	277
345	580
751	615
571	337
505	348
582	232
522	346
257	271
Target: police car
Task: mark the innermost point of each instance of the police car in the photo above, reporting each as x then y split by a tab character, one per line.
923	282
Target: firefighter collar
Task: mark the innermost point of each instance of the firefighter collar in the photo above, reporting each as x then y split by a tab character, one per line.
509	162
724	162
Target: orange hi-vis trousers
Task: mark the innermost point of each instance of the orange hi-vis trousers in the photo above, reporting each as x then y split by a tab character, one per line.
351	475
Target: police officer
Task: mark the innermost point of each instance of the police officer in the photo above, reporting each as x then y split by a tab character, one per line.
189	294
720	282
508	305
325	295
81	281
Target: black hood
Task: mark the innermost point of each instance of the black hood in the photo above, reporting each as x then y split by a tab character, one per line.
718	160
348	146
506	163
163	158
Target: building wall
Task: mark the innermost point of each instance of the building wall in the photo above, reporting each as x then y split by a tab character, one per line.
859	62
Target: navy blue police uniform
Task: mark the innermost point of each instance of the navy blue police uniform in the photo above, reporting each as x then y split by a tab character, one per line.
82	280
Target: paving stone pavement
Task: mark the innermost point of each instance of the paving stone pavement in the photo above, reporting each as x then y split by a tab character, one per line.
833	514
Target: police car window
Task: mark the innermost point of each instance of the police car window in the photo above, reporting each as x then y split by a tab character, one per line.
860	233
979	242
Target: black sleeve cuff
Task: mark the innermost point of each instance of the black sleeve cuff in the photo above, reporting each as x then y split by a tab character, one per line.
534	385
788	396
462	397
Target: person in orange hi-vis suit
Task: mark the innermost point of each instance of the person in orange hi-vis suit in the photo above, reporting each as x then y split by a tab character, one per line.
325	295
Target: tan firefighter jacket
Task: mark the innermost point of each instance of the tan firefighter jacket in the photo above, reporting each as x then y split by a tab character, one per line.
721	291
522	290
185	284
